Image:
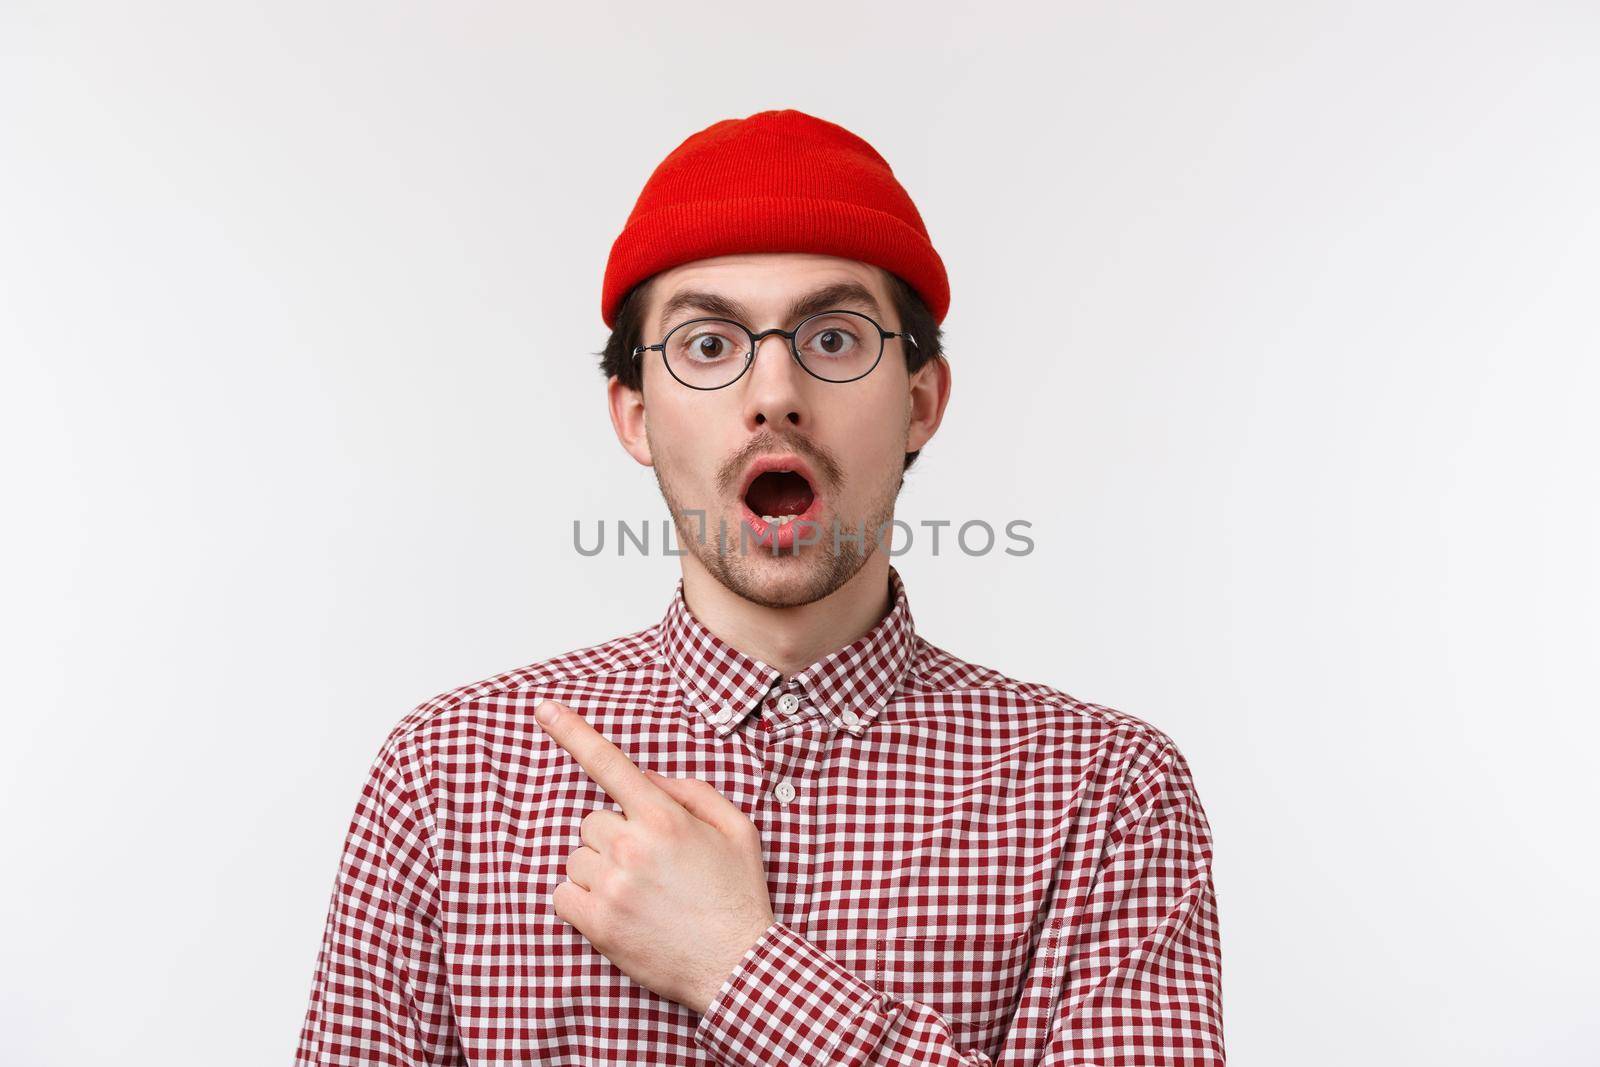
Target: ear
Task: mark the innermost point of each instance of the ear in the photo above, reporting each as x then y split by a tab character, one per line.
928	393
628	419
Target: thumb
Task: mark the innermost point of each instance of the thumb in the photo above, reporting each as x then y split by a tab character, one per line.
703	801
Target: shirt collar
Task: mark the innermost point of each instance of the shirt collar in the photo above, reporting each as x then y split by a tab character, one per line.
847	688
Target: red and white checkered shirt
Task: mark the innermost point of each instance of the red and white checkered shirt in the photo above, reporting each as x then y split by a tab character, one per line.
964	869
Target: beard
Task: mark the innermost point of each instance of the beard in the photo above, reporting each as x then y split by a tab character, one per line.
749	568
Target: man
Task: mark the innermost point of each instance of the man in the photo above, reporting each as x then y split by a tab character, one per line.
778	826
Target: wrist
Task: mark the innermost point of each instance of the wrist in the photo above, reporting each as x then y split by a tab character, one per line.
702	998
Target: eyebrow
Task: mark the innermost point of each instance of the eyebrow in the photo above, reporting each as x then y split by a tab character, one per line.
828	297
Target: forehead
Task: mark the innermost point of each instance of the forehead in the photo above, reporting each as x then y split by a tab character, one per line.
767	285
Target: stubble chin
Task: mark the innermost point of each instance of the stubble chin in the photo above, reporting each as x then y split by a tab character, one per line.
786	579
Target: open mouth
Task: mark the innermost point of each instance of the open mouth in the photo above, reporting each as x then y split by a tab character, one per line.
779	496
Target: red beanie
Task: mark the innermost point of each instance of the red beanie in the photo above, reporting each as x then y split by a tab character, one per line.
777	181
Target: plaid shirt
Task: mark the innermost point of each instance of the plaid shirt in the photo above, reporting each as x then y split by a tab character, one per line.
965	869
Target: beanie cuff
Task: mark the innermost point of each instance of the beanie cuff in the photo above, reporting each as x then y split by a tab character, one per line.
682	233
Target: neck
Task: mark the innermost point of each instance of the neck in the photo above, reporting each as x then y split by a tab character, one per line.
790	639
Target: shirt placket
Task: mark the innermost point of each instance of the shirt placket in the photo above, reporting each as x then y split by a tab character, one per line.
785	810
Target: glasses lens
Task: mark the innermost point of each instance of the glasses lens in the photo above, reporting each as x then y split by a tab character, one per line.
707	353
839	345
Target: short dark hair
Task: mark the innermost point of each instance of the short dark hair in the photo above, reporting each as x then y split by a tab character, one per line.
616	359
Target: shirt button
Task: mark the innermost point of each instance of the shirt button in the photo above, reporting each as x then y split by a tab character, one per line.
850	718
788	702
722	715
784	792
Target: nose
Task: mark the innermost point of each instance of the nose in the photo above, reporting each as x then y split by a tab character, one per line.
775	392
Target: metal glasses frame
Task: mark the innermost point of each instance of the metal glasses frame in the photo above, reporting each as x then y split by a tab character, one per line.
792	336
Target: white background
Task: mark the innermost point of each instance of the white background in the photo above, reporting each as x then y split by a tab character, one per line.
1278	322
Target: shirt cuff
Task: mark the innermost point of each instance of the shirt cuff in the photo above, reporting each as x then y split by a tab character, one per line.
789	1002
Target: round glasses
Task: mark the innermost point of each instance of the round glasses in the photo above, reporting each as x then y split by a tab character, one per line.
835	346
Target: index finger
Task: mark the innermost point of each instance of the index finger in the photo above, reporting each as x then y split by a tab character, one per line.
605	762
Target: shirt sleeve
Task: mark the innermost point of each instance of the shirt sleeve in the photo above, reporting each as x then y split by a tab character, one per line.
379	993
1139	984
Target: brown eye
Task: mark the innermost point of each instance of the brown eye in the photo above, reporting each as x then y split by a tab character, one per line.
833	338
707	342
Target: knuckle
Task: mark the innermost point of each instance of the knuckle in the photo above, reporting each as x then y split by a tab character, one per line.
612	888
657	820
559	898
595	824
625	850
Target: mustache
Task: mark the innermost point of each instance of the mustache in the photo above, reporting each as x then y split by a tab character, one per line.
823	465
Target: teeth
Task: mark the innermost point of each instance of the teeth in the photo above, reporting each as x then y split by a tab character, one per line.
779	519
